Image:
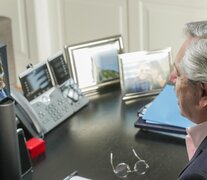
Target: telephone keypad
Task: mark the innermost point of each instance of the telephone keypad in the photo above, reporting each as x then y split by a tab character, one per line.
56	105
55	112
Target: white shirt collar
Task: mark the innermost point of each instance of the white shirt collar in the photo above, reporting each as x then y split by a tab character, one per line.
197	133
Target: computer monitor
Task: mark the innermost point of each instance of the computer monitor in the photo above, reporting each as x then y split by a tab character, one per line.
59	68
35	81
4	74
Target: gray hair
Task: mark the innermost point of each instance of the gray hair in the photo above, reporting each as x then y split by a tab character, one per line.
194	62
196	29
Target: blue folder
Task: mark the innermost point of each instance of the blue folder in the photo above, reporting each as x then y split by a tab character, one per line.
163	113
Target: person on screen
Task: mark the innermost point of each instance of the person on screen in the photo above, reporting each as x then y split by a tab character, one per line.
3	94
190	78
157	75
141	82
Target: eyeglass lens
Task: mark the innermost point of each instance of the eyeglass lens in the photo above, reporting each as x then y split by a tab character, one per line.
122	170
141	167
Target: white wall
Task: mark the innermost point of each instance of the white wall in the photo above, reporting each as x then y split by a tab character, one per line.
160	22
43	27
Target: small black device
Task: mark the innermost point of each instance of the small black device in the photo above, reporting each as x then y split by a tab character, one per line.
26	165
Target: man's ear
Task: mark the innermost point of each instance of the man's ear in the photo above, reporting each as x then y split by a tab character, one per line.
203	97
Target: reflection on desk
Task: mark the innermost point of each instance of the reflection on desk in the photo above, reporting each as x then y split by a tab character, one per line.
84	143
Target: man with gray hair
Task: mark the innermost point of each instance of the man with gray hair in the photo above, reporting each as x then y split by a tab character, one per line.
190	78
193	30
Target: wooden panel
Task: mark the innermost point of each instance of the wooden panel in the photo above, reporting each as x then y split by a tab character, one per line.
160	22
94	19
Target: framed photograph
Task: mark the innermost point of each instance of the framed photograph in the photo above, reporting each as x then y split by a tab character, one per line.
144	73
95	64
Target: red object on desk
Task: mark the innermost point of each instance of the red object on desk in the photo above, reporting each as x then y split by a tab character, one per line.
35	146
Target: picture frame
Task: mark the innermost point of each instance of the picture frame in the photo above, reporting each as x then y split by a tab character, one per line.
144	73
94	64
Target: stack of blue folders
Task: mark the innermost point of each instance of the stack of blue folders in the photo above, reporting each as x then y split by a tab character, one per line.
163	114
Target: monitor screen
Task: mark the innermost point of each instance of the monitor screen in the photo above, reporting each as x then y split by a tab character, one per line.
4	74
35	81
59	69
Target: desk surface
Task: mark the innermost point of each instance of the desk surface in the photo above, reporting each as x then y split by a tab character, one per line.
84	143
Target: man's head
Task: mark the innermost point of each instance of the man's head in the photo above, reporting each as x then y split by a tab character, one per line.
191	81
143	71
196	29
193	31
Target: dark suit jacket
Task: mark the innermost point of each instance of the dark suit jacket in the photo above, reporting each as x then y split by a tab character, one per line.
196	169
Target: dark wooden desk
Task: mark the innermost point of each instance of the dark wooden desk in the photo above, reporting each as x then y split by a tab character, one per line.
85	140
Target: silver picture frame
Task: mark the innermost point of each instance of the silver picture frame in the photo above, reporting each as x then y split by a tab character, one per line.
144	73
94	64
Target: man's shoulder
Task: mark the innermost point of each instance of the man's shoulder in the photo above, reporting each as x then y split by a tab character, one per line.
193	176
197	167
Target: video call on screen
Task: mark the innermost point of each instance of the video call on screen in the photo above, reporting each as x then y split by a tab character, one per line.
4	76
36	82
59	69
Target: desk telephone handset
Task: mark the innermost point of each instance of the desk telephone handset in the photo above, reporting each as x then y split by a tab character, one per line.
45	103
26	114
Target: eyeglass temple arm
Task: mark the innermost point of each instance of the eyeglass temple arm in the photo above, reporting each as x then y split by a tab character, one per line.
111	160
136	154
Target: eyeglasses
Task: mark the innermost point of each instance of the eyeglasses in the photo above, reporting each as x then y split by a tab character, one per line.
122	169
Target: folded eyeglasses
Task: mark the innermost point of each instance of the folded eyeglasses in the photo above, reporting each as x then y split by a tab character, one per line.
122	169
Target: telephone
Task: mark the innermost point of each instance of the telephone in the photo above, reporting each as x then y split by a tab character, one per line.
44	113
49	96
